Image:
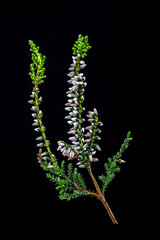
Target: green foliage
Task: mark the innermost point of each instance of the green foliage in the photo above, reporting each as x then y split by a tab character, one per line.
70	185
111	167
81	46
37	69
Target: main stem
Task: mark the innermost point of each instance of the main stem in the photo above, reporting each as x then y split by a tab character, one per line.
102	198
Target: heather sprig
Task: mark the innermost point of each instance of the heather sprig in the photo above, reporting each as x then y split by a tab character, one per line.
83	137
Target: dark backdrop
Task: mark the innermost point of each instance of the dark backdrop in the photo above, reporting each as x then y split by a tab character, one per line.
119	85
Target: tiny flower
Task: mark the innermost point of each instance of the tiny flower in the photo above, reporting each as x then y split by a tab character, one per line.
94	159
75	123
68	151
35	124
50	166
79	163
122	161
90	120
89	127
59	148
69	81
98	147
40	99
95	111
93	153
40	145
61	143
77	148
73	64
90	112
71	154
71	68
39	138
44	154
98	138
32	95
68	117
31	101
71	74
37	129
70	122
73	105
72	132
67	104
82	62
34	115
86	140
88	134
83	66
68	108
75	143
90	158
81	166
72	139
33	108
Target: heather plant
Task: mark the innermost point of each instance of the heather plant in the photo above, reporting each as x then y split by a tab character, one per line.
81	149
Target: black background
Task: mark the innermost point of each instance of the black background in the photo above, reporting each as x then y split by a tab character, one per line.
121	85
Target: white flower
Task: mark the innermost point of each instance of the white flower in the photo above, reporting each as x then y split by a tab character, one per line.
88	134
78	163
98	147
95	111
37	129
71	74
83	66
90	120
68	117
71	68
81	166
33	108
71	154
68	108
72	139
89	127
31	101
70	81
34	115
122	161
82	62
90	158
77	148
93	153
32	95
40	145
50	166
70	122
44	154
101	124
39	138
72	132
61	143
35	124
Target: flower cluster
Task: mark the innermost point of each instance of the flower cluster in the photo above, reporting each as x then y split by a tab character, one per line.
37	76
80	148
75	109
93	130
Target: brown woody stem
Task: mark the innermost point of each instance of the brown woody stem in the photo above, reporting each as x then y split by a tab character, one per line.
101	197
